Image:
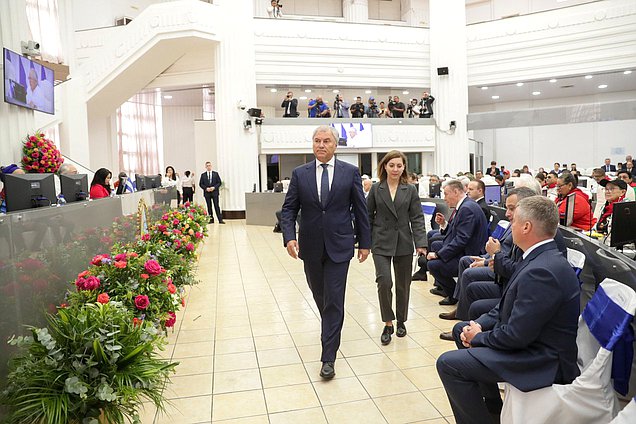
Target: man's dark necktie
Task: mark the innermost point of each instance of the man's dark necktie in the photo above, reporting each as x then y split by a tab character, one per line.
324	184
209	177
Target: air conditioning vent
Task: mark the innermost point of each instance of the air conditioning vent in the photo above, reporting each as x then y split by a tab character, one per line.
567	86
123	21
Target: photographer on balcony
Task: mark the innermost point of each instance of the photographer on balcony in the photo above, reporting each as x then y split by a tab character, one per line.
372	110
290	106
357	109
396	107
426	105
274	11
340	107
413	109
318	109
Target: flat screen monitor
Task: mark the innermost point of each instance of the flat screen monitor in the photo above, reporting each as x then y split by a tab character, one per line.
582	182
568	217
140	182
26	191
152	181
493	194
27	83
434	190
623	224
74	187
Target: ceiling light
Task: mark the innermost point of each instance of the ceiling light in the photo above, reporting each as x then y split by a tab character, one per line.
627	72
405	92
307	91
589	77
484	88
367	91
273	90
553	80
602	86
335	91
168	97
519	84
536	93
494	97
303	97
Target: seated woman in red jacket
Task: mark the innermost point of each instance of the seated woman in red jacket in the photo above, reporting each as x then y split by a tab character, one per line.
100	186
582	217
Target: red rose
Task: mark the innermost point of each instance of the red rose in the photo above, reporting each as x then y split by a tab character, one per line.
142	302
33	138
82	274
120	257
103	298
120	264
175	222
153	267
171	288
35	155
99	259
145	276
198	234
162	227
91	283
187	204
145	237
172	320
189	247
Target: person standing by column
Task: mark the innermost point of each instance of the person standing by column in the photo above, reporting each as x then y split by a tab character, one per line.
327	192
397	221
210	181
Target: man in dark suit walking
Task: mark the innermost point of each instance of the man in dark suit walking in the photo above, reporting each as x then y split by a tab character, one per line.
327	192
529	338
210	181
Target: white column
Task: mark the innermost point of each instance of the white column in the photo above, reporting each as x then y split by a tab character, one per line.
448	49
355	10
237	150
15	122
414	12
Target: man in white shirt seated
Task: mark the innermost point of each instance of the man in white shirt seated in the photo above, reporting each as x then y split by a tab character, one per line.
35	94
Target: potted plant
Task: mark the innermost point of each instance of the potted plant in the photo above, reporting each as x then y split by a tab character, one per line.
93	363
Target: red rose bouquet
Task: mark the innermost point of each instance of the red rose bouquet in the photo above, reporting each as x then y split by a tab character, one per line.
40	155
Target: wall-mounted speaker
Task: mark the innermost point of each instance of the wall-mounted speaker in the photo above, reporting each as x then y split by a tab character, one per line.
442	71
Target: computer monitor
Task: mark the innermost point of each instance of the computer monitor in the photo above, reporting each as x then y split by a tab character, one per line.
493	194
582	182
140	182
623	224
568	217
152	181
26	191
74	187
434	190
510	185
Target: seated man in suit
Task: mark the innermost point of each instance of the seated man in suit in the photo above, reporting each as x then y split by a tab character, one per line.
464	234
529	338
608	167
476	190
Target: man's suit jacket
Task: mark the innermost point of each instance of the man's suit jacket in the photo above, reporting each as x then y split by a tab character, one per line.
293	108
529	338
466	234
395	225
612	168
215	182
330	227
485	209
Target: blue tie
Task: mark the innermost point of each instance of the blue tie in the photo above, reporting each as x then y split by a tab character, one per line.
324	184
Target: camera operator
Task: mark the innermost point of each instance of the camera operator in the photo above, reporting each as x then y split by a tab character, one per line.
384	111
357	109
274	10
426	105
318	109
290	105
396	107
372	110
413	110
340	107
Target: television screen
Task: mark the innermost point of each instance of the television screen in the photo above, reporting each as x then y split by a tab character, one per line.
493	194
74	187
27	83
25	191
354	135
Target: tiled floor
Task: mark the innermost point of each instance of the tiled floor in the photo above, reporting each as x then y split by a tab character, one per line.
248	344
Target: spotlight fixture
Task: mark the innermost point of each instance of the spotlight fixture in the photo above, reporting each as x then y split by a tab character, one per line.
335	91
589	77
484	88
536	93
405	92
494	97
553	80
273	90
519	84
307	91
627	72
602	86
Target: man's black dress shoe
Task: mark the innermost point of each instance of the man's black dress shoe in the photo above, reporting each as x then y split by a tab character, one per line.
401	329
385	338
437	291
448	301
446	336
419	276
211	221
449	315
327	371
221	222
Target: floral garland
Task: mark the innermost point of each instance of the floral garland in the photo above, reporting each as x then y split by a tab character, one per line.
40	155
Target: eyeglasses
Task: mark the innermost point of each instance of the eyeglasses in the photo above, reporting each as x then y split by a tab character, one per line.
612	188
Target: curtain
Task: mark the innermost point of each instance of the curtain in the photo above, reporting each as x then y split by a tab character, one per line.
140	134
43	19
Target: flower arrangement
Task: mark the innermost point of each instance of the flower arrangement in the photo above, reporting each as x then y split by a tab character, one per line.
92	359
180	229
40	155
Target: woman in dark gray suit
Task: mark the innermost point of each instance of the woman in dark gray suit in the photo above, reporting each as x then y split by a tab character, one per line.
397	225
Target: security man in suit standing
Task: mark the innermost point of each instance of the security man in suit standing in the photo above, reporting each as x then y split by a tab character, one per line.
529	338
210	181
290	106
327	192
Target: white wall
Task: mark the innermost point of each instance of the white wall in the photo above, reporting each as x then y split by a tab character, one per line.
586	144
385	10
486	10
178	138
88	14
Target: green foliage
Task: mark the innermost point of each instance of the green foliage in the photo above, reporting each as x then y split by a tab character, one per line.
92	358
